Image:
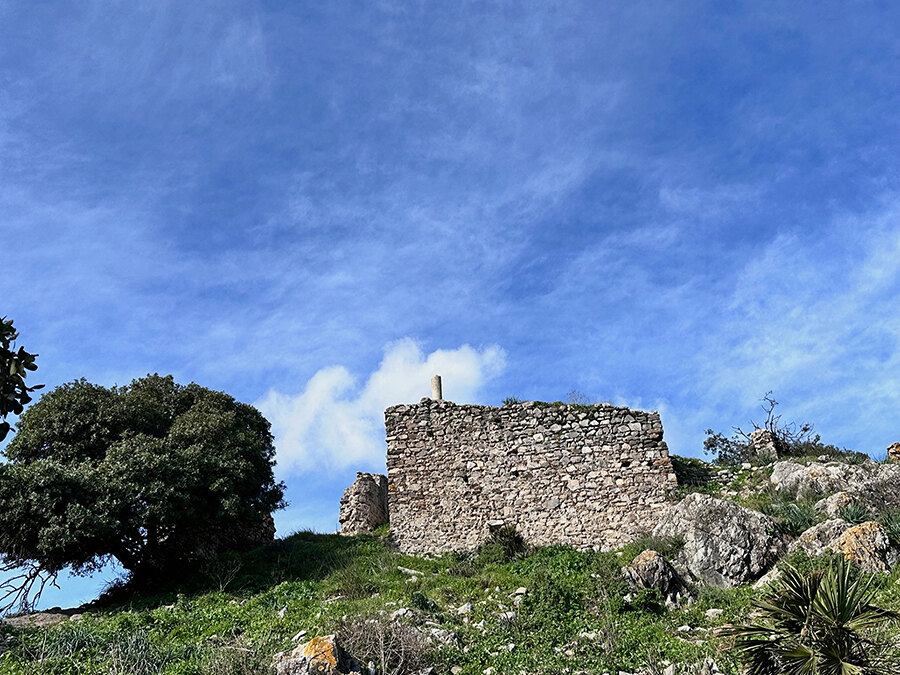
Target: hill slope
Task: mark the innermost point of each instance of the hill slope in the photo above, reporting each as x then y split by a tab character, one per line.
549	610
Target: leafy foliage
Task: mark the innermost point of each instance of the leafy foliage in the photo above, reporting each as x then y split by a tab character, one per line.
821	622
855	513
793	517
504	545
158	475
15	365
890	520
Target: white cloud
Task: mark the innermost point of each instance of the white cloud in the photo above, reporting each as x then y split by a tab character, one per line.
335	424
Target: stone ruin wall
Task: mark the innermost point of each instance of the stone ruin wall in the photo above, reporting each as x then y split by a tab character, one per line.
589	476
364	505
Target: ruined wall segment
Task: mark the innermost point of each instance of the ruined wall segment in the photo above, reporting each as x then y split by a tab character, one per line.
589	476
364	505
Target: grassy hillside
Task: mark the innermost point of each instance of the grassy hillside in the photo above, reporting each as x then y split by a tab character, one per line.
577	614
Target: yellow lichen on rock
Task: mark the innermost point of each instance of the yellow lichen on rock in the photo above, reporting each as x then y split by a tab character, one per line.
867	545
320	651
644	557
321	655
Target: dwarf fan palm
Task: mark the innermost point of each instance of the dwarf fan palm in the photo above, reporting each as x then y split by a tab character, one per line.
823	623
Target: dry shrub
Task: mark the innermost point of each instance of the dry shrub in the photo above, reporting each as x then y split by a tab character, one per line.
393	647
237	659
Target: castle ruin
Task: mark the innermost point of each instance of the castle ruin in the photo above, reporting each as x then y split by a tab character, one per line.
589	476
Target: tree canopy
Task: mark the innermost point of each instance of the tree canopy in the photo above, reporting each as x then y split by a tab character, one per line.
14	367
155	474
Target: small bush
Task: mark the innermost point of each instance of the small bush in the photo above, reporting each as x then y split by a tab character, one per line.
691	471
238	659
552	596
793	518
504	545
855	513
511	400
418	600
392	647
354	580
647	600
791	440
462	565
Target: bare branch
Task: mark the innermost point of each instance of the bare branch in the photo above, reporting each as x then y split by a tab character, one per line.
22	591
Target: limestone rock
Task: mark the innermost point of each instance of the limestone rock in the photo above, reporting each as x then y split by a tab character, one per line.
869	483
320	656
831	506
651	570
766	444
364	505
800	481
869	547
724	544
708	667
820	538
768	578
893	453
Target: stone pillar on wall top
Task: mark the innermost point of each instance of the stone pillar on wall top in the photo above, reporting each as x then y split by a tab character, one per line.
436	392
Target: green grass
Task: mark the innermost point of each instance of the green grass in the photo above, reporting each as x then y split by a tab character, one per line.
578	614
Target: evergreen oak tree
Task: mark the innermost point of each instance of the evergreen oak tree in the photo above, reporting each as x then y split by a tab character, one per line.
157	475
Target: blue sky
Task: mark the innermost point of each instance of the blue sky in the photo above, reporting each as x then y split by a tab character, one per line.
315	206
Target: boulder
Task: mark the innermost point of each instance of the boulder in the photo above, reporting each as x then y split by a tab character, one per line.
868	546
893	453
766	444
651	570
724	544
768	578
869	483
320	656
820	538
831	506
816	478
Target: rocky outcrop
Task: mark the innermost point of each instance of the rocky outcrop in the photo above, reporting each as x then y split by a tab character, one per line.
320	656
364	505
831	506
766	444
651	570
868	546
820	538
869	483
724	544
817	478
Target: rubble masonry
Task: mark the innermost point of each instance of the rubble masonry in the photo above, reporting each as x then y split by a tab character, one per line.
589	476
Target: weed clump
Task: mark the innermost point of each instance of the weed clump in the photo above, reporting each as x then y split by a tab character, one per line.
504	545
855	513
